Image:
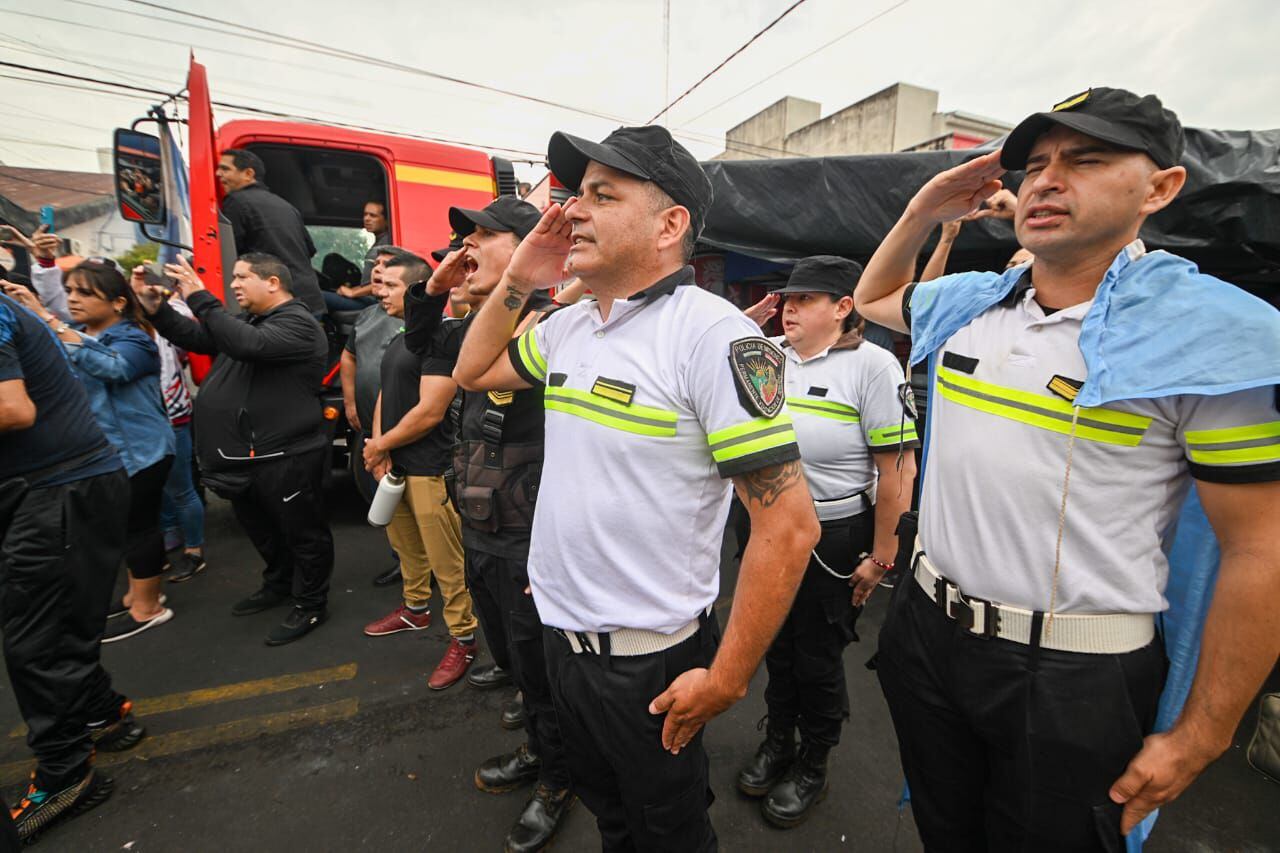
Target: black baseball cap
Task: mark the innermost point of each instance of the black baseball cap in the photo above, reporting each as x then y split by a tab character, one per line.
507	213
455	243
648	153
823	274
1117	116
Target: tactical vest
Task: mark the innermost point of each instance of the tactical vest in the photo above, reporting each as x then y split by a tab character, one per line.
496	484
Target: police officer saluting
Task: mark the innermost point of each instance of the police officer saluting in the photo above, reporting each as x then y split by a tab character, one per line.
497	463
656	394
856	441
1072	404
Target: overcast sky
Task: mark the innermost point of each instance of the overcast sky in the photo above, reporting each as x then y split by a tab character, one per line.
1212	62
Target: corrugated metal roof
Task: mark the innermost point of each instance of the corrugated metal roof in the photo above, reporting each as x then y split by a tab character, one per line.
30	189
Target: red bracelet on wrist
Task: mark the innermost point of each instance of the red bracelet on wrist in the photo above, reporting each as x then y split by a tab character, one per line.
888	567
45	262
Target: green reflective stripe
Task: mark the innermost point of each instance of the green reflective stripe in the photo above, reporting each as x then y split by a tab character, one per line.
1233	434
891	435
1106	426
530	355
1261	453
746	428
823	409
1104	417
740	446
641	420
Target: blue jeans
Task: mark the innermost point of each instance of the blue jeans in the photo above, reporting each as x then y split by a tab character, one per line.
180	506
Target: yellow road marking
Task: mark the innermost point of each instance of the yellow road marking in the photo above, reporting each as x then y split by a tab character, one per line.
206	736
232	692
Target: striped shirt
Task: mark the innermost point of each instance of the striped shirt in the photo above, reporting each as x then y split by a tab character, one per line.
645	422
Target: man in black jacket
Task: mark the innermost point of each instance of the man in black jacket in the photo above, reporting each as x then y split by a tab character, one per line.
264	222
259	430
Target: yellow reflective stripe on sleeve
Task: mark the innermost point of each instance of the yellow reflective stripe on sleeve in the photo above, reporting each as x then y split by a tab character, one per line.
1240	455
1242	445
531	357
821	408
751	437
1106	426
641	420
891	435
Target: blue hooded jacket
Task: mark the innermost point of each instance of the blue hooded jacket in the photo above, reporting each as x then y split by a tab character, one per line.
120	370
1158	327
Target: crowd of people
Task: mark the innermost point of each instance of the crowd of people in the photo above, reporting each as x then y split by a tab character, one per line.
568	464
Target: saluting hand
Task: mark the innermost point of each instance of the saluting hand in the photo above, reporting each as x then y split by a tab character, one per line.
957	191
538	262
764	310
451	273
689	702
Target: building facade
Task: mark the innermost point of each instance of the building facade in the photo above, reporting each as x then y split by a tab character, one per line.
900	118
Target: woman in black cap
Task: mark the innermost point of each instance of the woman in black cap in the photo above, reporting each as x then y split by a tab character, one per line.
844	397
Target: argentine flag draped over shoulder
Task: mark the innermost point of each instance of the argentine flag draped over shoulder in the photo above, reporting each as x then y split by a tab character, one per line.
1157	327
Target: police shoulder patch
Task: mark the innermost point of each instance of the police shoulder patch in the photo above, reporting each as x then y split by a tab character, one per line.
758	366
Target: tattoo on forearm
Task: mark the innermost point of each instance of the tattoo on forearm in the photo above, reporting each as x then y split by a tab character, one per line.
514	298
766	485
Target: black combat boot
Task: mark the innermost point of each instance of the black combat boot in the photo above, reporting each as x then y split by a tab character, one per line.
803	787
508	771
539	821
770	762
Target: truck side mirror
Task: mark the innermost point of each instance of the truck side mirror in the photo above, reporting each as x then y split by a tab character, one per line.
139	173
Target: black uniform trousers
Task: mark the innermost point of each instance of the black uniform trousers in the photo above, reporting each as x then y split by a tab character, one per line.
484	576
806	660
1010	747
283	512
644	798
507	615
60	552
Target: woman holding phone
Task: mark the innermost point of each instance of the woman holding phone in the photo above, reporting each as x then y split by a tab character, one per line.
115	357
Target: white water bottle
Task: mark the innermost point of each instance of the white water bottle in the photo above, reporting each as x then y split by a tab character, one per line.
387	498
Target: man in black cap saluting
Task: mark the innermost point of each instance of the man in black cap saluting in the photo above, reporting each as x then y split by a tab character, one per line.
497	463
1067	420
657	394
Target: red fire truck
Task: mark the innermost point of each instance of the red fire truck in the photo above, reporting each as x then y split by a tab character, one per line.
327	173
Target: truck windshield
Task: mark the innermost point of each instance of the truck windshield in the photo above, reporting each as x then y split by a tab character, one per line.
330	188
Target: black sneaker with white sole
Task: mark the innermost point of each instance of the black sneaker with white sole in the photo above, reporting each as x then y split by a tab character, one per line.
186	566
296	625
126	626
40	808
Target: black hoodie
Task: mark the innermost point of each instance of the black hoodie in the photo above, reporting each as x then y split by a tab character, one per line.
261	399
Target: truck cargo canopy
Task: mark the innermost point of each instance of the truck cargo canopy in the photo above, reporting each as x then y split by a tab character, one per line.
1227	218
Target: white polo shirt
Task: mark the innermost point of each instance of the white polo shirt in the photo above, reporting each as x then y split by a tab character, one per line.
845	405
993	483
645	423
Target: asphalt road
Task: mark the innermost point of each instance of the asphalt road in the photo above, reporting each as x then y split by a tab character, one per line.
335	742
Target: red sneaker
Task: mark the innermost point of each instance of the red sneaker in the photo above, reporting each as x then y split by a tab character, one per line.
400	619
457	658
